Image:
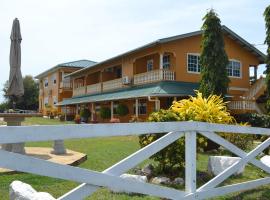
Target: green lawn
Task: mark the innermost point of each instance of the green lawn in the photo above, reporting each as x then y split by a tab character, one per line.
104	152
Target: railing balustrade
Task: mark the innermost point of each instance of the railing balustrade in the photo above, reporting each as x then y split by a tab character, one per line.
94	88
113	84
79	91
254	89
65	85
154	76
92	180
242	105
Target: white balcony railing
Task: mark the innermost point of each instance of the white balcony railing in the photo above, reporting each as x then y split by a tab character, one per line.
255	88
154	76
79	91
92	180
94	88
65	85
244	105
113	84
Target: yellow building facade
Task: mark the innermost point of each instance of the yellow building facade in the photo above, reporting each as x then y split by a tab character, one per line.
152	76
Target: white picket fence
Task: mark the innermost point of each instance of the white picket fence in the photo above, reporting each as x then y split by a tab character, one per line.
92	180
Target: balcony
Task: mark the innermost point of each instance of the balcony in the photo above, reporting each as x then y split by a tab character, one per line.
113	84
244	106
79	91
154	76
94	88
66	85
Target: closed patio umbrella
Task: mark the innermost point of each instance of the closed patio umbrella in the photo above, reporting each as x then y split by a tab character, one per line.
15	86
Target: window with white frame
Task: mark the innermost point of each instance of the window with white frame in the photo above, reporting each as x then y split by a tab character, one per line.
193	63
150	65
46	101
234	68
53	78
46	82
142	108
166	62
55	100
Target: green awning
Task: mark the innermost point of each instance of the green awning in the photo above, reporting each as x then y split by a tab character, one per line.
161	89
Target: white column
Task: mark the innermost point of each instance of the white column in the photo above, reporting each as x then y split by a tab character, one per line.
92	112
111	109
160	61
77	108
65	112
157	104
190	157
174	98
137	107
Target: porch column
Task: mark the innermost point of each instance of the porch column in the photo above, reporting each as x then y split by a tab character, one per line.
111	109
174	98
157	104
160	61
77	109
65	112
136	107
255	72
92	112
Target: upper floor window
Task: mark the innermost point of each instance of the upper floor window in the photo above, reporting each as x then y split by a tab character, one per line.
53	79
166	62
234	69
150	65
54	100
46	82
193	63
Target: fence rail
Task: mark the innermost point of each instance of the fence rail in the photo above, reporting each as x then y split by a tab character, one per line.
92	180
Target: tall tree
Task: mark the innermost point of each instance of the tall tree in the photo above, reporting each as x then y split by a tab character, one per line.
267	61
29	101
213	59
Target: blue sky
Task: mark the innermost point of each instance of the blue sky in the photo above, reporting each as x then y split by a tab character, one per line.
56	31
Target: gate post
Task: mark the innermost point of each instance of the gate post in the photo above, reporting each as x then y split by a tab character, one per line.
190	158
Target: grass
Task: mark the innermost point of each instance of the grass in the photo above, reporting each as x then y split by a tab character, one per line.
104	152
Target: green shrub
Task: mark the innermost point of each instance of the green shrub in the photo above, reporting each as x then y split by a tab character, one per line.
122	110
254	119
172	156
211	109
105	113
85	114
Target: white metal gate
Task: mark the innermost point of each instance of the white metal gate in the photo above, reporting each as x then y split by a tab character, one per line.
92	180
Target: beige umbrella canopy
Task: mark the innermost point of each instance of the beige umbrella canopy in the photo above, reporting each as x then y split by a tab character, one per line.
15	86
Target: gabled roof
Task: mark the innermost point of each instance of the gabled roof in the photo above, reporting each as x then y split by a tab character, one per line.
161	89
261	56
73	64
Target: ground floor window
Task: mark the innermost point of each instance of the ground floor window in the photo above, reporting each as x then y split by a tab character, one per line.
234	69
142	108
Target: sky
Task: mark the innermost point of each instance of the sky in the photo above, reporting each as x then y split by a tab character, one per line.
57	31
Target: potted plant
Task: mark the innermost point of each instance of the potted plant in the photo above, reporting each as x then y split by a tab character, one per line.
105	113
85	114
77	119
122	110
61	117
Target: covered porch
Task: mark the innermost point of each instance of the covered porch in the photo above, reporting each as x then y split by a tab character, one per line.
154	67
140	101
